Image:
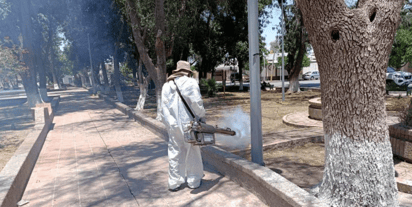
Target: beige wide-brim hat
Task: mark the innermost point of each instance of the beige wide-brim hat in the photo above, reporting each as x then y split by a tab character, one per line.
182	66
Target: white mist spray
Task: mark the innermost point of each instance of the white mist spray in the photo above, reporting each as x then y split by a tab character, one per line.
238	121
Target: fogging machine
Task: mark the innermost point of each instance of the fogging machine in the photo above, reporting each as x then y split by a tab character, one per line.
201	133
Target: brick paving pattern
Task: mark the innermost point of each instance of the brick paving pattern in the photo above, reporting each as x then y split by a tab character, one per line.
96	156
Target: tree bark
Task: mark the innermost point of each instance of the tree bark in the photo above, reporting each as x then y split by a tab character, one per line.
143	85
156	72
50	56
28	75
42	76
134	71
294	81
241	75
105	78
116	80
352	49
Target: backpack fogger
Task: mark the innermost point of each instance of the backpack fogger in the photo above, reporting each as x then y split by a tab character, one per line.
201	133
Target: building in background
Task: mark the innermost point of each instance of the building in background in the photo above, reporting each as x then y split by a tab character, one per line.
68	80
313	64
269	71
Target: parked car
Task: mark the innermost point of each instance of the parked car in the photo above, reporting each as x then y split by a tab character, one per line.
236	77
311	75
400	78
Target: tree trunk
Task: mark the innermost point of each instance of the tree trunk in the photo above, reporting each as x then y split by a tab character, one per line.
143	85
294	82
133	65
28	76
50	56
352	50
84	80
30	87
158	71
116	80
241	75
43	79
105	78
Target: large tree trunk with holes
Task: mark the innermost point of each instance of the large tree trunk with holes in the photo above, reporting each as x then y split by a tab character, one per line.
352	50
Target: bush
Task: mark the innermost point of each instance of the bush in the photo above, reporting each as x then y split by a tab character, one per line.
211	85
391	86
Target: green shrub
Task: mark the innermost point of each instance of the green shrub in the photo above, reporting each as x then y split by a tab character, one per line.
211	85
391	86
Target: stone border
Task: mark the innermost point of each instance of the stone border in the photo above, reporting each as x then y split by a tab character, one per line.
401	141
15	175
283	144
305	88
270	187
285	120
12	101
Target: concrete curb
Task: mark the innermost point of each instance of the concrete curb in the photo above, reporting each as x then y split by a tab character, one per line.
284	144
404	186
269	186
304	88
287	122
15	175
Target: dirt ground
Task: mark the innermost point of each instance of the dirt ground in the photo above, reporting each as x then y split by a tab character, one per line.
303	165
397	103
273	109
15	124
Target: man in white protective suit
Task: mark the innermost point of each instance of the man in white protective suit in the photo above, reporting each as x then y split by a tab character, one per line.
185	161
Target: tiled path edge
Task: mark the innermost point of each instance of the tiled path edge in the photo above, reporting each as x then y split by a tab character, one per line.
16	173
270	187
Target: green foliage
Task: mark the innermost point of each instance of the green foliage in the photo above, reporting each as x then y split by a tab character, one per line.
125	70
211	86
392	86
305	62
9	57
295	38
402	46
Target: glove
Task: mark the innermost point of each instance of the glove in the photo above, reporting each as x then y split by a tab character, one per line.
203	120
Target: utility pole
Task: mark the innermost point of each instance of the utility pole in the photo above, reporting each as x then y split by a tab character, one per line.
283	57
255	103
91	66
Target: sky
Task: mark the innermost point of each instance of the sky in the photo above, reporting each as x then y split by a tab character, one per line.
270	35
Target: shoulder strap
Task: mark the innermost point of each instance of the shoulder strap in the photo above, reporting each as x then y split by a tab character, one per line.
184	102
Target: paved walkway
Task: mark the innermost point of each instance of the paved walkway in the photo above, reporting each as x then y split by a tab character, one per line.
96	156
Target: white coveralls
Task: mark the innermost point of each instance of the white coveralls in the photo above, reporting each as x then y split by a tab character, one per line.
185	160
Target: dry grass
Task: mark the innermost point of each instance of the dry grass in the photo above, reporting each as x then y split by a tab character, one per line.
16	122
273	109
303	165
397	103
